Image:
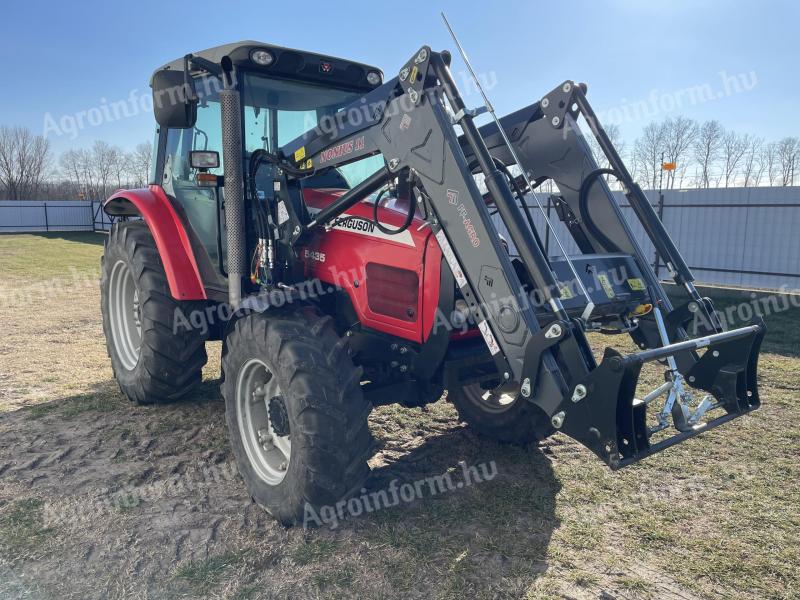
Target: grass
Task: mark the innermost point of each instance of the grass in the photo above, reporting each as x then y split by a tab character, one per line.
22	530
40	256
715	517
202	576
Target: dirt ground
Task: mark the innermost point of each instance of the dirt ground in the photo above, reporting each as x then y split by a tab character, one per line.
103	499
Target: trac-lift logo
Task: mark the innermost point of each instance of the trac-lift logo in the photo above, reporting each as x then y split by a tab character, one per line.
452	197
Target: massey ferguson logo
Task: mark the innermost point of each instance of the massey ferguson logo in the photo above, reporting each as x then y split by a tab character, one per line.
342	149
325	67
357	224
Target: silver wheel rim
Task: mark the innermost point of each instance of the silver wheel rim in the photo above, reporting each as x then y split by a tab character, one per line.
268	453
489	400
125	315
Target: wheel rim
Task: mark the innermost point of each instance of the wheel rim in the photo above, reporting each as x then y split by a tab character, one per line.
125	315
269	453
489	400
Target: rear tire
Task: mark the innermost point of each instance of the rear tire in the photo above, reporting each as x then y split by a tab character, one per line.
320	416
153	359
502	419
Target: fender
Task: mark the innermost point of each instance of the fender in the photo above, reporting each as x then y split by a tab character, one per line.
169	232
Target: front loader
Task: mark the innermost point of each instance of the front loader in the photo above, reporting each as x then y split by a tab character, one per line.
336	232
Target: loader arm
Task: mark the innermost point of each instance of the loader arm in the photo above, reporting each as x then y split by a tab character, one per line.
410	120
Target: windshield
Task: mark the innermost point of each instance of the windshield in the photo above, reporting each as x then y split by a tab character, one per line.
277	111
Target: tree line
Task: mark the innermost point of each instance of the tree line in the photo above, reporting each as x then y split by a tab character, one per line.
30	171
705	155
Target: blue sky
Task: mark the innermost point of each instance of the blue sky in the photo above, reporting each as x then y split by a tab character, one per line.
62	58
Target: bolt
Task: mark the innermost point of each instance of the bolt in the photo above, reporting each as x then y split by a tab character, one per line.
567	87
693	307
579	393
691	378
525	390
403	368
558	420
555	121
296	229
506	375
555	331
715	353
545	102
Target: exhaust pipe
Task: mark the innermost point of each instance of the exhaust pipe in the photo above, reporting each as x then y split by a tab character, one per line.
234	184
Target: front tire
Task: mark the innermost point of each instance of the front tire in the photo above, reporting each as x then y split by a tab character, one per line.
153	360
500	417
297	418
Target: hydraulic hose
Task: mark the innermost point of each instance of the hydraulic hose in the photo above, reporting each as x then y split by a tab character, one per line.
412	208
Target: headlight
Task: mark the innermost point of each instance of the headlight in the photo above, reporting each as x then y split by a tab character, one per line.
262	57
373	77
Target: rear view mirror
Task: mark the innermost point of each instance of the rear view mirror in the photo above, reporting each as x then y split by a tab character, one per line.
204	159
174	100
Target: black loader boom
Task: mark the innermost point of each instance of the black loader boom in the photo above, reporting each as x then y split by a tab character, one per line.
533	310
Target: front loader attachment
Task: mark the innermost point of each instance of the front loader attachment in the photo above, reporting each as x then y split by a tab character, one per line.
603	413
534	307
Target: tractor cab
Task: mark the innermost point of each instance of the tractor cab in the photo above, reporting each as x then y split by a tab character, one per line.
283	93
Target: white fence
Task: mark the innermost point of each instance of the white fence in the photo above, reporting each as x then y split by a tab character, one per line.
18	216
748	237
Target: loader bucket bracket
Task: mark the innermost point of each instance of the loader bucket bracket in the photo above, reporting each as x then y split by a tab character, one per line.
729	371
606	413
605	416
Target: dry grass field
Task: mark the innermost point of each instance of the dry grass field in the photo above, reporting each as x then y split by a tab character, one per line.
103	499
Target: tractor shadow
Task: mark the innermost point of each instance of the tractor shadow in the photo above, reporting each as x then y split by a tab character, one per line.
458	495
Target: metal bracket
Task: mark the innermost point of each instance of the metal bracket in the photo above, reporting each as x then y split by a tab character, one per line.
472	112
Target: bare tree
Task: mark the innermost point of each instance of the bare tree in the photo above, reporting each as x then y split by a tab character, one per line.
23	162
734	147
788	149
141	162
707	148
752	165
647	152
679	135
769	158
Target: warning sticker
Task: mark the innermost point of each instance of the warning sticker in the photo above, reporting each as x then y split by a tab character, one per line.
300	154
566	293
636	284
450	257
283	214
607	287
489	337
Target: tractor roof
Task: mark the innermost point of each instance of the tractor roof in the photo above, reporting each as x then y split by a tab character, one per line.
288	63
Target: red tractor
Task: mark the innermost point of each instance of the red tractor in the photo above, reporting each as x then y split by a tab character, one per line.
338	234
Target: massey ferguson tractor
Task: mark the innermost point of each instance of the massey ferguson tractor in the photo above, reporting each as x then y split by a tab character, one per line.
336	232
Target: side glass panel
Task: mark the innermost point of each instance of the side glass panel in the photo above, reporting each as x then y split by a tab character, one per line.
179	180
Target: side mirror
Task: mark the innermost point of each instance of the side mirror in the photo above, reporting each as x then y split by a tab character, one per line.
204	159
174	100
